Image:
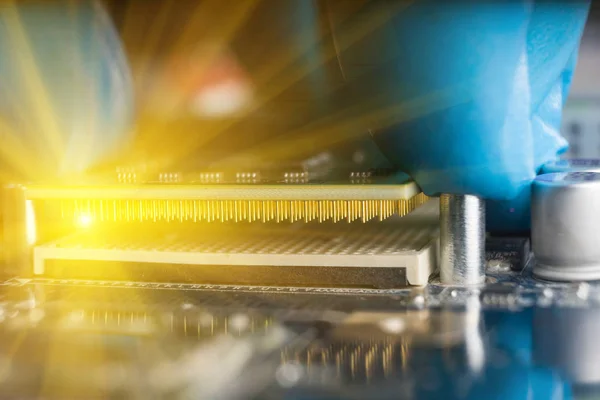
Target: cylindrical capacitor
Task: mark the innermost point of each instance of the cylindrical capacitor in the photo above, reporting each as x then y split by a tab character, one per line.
565	211
572	165
462	240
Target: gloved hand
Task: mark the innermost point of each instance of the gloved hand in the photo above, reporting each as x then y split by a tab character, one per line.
66	97
484	83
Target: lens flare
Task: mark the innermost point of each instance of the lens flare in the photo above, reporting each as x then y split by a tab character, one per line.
84	220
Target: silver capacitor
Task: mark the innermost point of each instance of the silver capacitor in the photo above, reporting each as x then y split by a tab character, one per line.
565	231
462	240
572	165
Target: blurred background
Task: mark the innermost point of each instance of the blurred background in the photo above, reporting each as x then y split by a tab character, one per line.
250	102
581	119
214	85
241	86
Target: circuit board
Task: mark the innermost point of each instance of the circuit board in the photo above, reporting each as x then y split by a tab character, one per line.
146	327
94	338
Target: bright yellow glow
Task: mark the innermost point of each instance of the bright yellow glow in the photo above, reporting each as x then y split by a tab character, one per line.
207	33
30	230
84	220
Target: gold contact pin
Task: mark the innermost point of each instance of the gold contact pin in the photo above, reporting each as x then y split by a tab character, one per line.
388	360
320	211
369	361
101	210
292	211
324	357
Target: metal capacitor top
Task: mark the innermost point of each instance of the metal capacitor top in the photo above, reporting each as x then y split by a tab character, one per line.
572	165
565	210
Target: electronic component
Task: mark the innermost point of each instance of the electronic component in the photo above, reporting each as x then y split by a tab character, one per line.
462	240
564	227
391	254
228	202
512	252
160	232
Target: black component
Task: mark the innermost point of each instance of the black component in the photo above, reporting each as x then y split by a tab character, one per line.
514	250
272	275
289	305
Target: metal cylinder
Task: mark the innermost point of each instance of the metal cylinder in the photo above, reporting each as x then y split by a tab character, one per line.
462	239
565	210
572	165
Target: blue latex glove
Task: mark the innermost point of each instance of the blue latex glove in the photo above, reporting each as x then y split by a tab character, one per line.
65	89
494	76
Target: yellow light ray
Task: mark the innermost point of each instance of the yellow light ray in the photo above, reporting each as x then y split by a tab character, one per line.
228	27
156	133
352	123
16	154
362	28
41	109
151	43
87	91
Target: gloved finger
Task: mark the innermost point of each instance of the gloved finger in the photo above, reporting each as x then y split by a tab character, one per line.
553	36
484	144
471	54
66	91
514	215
